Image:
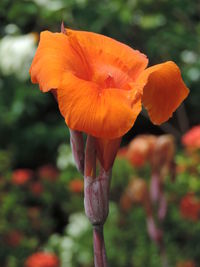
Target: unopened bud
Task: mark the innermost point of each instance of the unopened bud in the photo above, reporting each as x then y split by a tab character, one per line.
77	145
140	150
106	151
164	152
96	197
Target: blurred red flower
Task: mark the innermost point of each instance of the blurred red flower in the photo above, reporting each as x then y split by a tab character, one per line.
190	207
185	264
42	259
36	188
48	172
76	185
13	238
21	176
192	138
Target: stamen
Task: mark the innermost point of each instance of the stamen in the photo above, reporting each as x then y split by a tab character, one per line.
109	81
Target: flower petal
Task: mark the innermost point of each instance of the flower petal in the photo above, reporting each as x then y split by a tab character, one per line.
163	90
107	151
107	113
108	56
53	57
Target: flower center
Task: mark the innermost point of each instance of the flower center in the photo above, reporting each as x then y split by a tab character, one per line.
110	77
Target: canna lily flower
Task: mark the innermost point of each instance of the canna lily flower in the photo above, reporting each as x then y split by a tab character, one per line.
101	83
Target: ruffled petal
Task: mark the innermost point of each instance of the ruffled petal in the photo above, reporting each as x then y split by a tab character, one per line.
107	56
107	113
54	57
163	90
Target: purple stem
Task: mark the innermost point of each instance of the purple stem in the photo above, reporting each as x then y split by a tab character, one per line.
158	198
155	188
100	258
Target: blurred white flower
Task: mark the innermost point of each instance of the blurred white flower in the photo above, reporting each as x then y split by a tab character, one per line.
188	56
65	246
11	29
78	224
16	54
193	74
54	240
65	157
66	251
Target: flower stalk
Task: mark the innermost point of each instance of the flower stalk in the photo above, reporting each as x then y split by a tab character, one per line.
100	258
96	200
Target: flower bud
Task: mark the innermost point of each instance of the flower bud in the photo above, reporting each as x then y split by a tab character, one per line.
96	197
77	145
140	150
163	152
96	188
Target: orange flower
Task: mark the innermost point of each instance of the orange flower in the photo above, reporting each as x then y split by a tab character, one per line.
21	176
192	138
42	259
101	83
190	207
76	186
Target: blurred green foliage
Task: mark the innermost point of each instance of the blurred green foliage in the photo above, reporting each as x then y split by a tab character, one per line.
30	126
